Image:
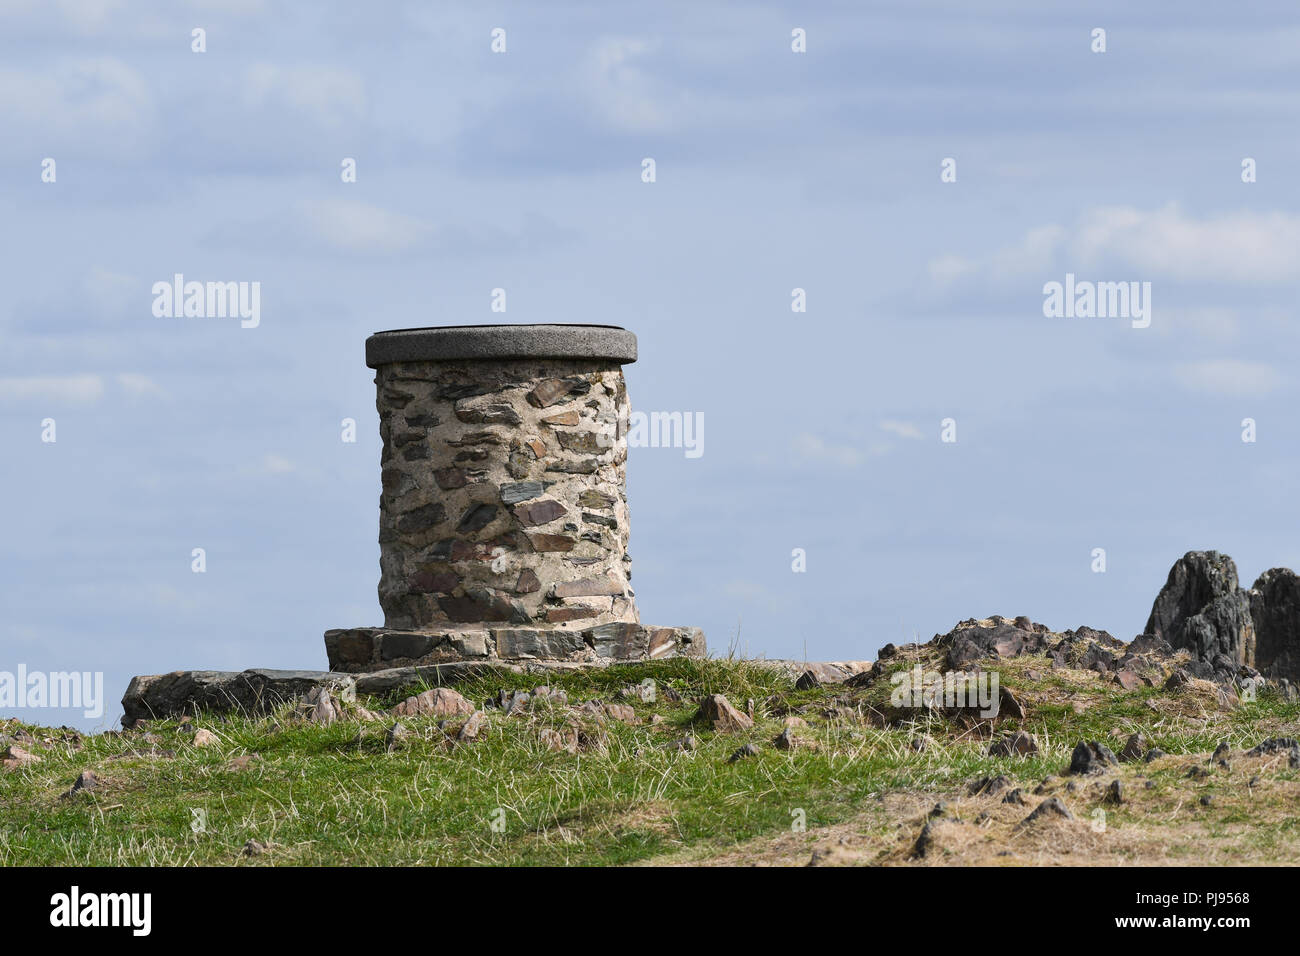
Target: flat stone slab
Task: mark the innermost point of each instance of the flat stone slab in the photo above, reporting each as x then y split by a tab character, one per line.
361	649
501	342
259	690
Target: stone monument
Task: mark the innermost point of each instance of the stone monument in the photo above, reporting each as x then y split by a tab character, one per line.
503	519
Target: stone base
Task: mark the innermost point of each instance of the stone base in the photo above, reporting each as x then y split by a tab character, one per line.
364	649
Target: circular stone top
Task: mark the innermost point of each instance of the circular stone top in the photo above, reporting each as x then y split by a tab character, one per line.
460	342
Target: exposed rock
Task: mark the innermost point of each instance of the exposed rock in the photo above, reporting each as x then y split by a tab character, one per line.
1091	757
319	707
1051	807
722	716
622	712
1008	704
989	786
86	780
972	640
394	736
15	756
1115	792
749	750
1202	609
473	728
817	674
204	738
437	702
252	691
1275	612
1134	747
1018	744
565	741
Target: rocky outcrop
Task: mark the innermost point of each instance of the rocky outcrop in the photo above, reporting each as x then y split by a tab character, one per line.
1202	609
1275	611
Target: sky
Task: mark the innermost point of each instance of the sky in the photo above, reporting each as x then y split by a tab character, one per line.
775	170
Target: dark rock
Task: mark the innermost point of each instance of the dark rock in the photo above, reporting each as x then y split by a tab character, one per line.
86	780
394	736
1090	757
1133	747
483	604
252	691
477	517
1051	807
973	640
989	786
1275	612
539	512
491	413
1008	705
1016	797
1202	609
1115	792
749	750
1155	753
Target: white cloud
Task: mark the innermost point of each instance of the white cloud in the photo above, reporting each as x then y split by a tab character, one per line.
1235	377
1147	244
1239	247
902	429
140	386
82	99
625	94
69	389
815	448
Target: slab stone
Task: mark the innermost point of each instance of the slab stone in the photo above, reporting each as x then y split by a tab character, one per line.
459	342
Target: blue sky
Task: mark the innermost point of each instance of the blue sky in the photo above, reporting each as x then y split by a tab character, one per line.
521	170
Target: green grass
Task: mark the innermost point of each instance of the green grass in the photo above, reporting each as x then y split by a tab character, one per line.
320	797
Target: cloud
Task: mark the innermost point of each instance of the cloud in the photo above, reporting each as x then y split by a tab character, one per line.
624	94
67	389
1148	244
815	448
1240	247
1232	377
140	386
80	100
902	429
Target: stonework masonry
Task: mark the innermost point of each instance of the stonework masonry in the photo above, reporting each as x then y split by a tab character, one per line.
503	526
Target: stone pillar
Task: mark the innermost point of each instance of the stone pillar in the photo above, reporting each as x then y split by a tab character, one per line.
503	525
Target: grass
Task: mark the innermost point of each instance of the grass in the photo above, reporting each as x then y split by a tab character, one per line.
324	795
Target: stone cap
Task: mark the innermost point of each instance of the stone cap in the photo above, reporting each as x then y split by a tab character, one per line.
461	342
